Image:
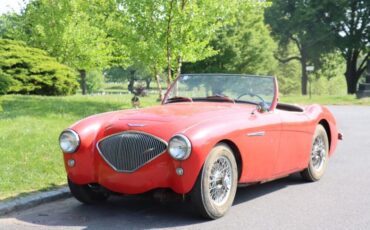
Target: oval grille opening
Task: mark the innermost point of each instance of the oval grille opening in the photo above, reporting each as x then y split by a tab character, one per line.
128	151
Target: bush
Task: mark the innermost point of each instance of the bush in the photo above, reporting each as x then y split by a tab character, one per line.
5	82
27	70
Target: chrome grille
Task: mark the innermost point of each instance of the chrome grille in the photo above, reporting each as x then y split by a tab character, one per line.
128	151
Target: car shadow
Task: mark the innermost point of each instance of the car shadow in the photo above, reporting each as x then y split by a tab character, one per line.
137	212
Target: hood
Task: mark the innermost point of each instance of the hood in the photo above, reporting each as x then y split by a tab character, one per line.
166	120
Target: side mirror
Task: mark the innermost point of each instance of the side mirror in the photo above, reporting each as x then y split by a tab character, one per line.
262	107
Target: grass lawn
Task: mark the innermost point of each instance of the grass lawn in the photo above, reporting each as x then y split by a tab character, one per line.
325	100
30	158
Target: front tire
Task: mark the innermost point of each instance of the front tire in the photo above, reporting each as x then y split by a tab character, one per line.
87	194
215	188
319	156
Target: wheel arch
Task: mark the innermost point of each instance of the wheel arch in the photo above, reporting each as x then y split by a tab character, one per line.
326	126
236	153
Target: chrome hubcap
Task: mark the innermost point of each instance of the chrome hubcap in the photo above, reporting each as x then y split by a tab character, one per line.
220	180
318	154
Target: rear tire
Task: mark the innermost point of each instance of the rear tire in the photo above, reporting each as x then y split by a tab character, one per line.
86	194
215	188
319	156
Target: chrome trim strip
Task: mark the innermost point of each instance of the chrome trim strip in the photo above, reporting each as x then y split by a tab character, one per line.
130	131
135	125
256	134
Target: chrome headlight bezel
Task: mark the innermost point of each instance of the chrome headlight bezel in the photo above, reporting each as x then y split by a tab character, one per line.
69	141
175	142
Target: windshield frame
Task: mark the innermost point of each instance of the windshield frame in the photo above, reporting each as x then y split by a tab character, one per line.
273	102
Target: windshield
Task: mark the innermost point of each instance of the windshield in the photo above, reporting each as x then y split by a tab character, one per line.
233	88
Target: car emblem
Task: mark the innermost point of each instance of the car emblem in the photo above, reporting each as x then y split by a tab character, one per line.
148	150
135	125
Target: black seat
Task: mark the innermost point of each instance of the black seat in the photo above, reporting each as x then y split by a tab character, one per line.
288	107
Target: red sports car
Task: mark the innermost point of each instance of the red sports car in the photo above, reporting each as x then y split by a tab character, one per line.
211	133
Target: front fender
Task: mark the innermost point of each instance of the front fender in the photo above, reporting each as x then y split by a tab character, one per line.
203	138
88	130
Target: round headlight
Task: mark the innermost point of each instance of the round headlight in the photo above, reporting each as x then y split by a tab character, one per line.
69	141
179	147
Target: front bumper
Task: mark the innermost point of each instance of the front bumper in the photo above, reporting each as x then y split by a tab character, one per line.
160	173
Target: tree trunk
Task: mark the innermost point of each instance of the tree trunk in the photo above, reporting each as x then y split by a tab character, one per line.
168	44
351	77
147	82
83	81
157	79
304	78
352	73
179	65
131	83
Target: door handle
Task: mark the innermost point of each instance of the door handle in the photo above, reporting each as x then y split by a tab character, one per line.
256	134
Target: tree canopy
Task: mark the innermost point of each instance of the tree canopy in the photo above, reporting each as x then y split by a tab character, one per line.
349	22
295	22
280	38
243	46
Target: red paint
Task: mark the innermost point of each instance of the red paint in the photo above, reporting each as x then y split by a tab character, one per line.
285	147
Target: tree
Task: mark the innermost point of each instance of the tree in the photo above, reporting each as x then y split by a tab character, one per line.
192	29
244	46
295	21
29	70
144	35
72	31
349	22
166	33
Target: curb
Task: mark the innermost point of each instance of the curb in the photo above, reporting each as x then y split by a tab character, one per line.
33	200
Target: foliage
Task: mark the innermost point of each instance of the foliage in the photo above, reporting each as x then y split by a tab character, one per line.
29	70
349	22
30	157
78	33
131	74
251	42
94	81
288	78
295	22
68	30
243	46
332	65
6	82
166	33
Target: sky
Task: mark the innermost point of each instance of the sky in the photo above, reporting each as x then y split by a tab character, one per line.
11	5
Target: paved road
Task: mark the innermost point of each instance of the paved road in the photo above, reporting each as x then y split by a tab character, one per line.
341	200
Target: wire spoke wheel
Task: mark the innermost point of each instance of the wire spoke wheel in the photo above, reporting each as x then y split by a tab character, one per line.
214	191
220	180
318	156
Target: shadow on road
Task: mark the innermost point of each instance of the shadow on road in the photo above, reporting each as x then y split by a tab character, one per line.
136	212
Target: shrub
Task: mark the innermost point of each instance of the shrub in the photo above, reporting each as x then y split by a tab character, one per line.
31	71
5	82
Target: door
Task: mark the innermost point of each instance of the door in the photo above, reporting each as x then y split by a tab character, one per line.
295	142
260	146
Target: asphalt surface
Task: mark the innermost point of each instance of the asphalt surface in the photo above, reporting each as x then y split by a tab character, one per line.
341	200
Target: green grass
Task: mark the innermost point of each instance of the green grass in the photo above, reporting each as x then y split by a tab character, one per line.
30	158
325	100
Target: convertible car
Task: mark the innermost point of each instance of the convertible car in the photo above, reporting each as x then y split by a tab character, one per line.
211	133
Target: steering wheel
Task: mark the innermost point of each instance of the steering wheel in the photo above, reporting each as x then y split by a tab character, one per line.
252	95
